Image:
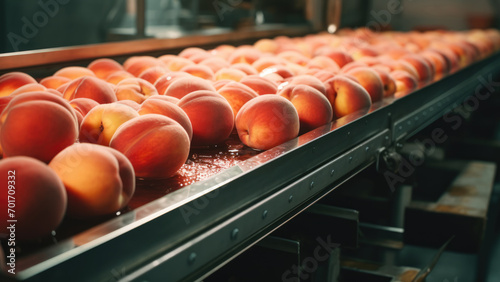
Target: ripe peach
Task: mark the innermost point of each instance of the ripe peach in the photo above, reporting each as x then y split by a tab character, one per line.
294	57
231	74
98	180
157	146
152	74
135	89
352	65
136	65
322	62
74	72
200	71
211	116
38	125
163	82
191	51
103	67
82	106
13	80
282	71
346	96
323	75
266	46
441	65
387	80
339	56
265	62
39	197
237	94
132	104
405	82
164	98
370	80
246	68
90	87
168	109
176	64
423	69
54	82
215	63
197	58
165	59
218	84
101	122
267	121
308	80
28	88
359	52
185	85
244	54
118	76
312	106
223	51
260	85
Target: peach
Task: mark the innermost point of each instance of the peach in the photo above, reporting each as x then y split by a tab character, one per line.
387	80
451	58
237	94
267	121
352	65
164	98
231	74
402	65
223	51
135	89
441	65
102	121
165	59
423	69
346	96
74	72
54	82
265	62
282	71
211	116
246	68
90	87
323	75
265	45
312	106
322	62
152	74
191	51
103	67
98	180
38	194
28	88
244	54
260	85
163	82
136	65
118	76
218	84
157	146
38	125
197	58
134	105
200	71
308	80
370	80
82	106
215	63
185	85
13	80
294	57
405	82
359	52
176	64
168	109
339	56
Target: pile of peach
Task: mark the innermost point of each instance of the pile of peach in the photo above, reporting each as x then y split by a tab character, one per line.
77	140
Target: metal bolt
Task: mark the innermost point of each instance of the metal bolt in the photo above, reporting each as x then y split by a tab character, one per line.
191	258
348	133
290	198
350	159
264	214
367	148
332	172
234	233
311	186
400	127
